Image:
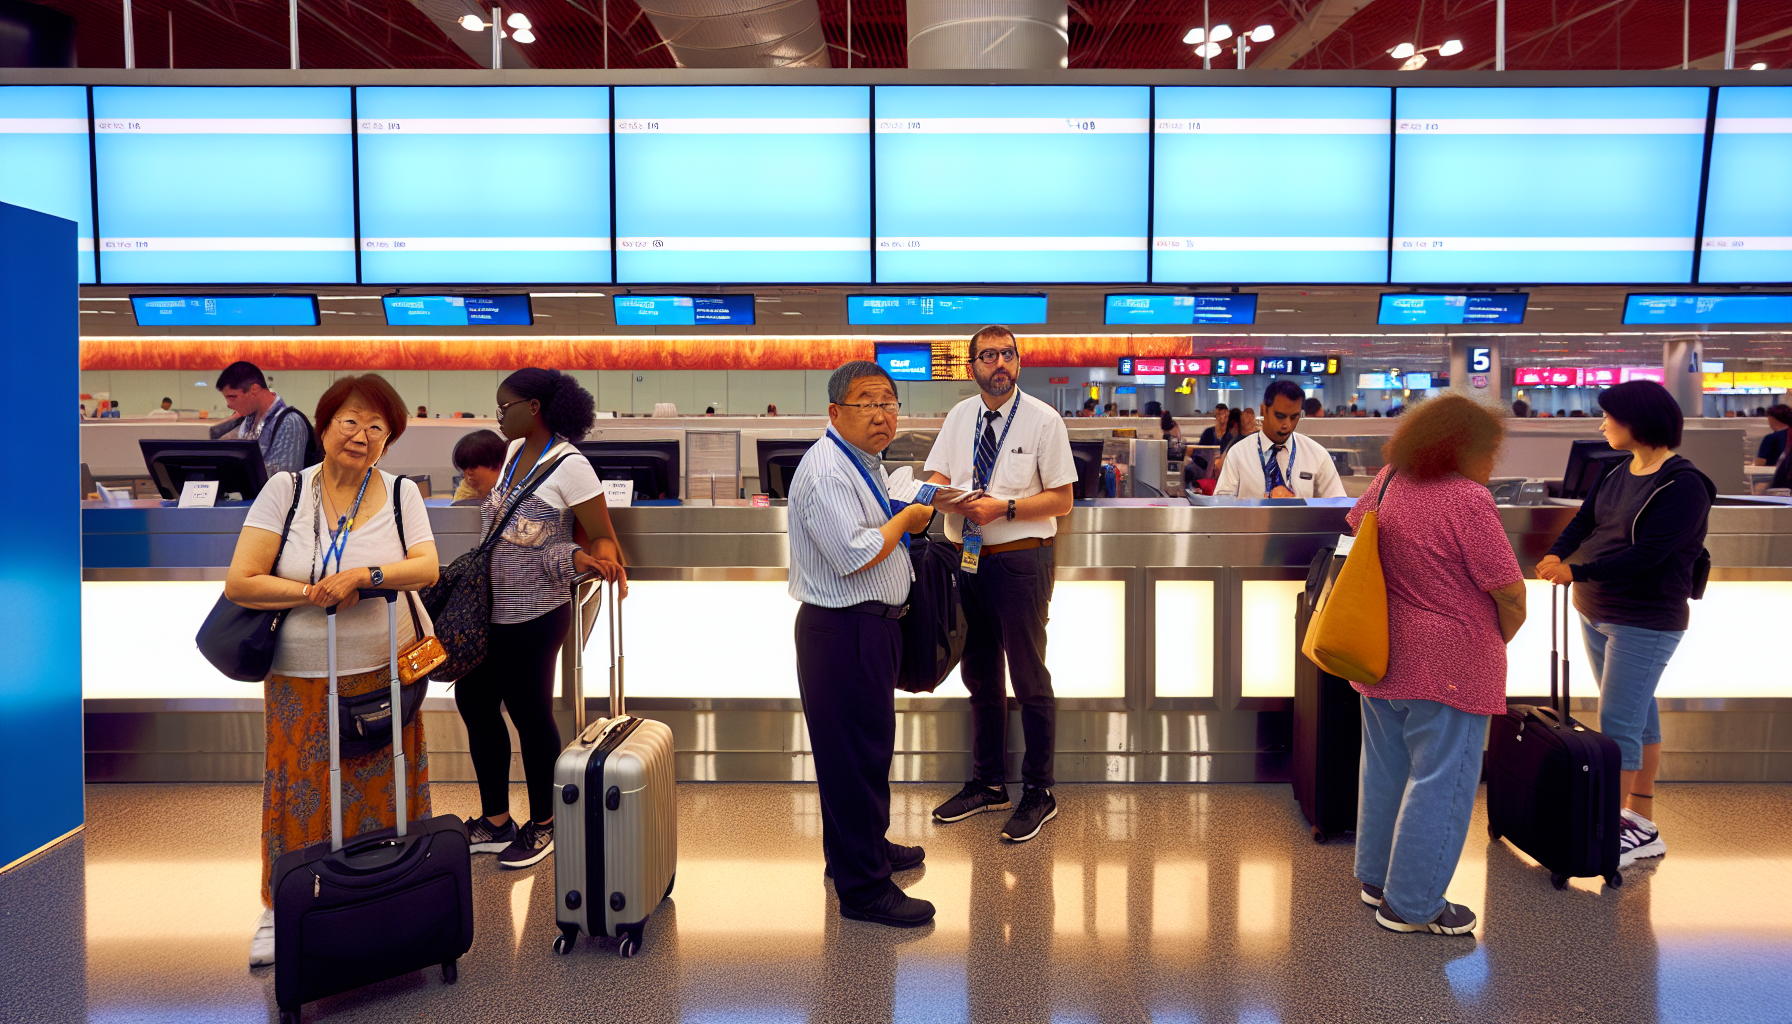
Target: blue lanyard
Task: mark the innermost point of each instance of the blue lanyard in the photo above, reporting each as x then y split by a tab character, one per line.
339	536
977	438
1265	458
865	475
504	488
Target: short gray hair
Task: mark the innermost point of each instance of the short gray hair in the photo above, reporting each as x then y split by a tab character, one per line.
841	382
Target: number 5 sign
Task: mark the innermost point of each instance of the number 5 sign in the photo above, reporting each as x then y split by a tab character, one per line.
1480	360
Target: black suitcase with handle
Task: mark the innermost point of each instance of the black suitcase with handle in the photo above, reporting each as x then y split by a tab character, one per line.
1328	739
386	903
1552	783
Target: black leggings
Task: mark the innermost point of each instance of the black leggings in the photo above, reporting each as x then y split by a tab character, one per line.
517	673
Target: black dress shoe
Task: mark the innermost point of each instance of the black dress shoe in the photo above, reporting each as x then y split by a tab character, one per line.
894	908
902	858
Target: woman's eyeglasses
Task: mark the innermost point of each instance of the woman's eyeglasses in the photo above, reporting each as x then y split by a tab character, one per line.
376	434
504	407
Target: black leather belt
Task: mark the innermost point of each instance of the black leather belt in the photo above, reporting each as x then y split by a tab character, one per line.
878	608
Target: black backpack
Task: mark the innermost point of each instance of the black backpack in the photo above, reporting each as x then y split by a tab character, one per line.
314	452
934	629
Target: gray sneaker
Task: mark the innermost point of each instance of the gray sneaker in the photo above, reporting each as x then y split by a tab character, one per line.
485	837
1456	919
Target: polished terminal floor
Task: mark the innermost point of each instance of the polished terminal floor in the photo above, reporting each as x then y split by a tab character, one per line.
1160	903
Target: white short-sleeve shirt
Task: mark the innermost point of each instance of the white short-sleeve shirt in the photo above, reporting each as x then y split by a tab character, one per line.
1034	457
1313	474
532	565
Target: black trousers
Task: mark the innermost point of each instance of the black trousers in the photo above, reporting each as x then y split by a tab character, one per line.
846	666
517	675
1006	604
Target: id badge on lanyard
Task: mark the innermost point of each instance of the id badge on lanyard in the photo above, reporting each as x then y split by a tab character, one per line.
972	534
973	551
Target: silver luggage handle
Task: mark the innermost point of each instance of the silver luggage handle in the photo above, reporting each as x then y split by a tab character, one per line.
399	807
573	681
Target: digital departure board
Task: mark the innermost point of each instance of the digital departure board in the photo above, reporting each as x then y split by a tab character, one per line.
683	310
743	183
1453	309
1748	227
1235	196
484	184
226	184
1182	309
906	360
1708	309
225	310
1562	185
979	310
458	311
1030	183
44	163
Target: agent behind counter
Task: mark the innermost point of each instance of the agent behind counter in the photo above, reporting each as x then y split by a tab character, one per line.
1277	462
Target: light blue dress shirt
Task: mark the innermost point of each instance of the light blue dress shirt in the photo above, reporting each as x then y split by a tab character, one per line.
834	530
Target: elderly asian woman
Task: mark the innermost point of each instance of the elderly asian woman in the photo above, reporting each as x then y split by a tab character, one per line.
344	537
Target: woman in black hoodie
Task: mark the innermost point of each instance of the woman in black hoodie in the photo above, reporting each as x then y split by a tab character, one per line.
1637	552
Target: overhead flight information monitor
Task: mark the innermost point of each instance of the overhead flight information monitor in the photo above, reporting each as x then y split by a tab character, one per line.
1748	227
1708	309
906	360
1182	309
224	184
1453	309
483	184
945	309
683	310
44	163
1012	183
458	311
1564	185
743	183
225	310
1235	195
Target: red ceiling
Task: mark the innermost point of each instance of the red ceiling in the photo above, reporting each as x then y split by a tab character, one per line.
1541	34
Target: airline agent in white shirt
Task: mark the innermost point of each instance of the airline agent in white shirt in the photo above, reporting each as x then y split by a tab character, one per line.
1276	462
1016	449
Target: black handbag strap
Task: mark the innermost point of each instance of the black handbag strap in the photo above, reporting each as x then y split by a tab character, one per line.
491	539
410	599
298	487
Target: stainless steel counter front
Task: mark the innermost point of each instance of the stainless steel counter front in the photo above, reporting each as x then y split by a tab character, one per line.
1171	644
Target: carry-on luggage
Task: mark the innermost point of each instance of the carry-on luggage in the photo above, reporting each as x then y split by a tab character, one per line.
1552	783
616	847
934	629
383	905
1328	740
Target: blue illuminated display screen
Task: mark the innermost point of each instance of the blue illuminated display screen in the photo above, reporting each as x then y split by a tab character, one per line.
44	162
221	185
683	310
1748	227
1708	309
743	183
1234	193
1547	185
906	360
225	310
1453	309
484	185
1012	183
1182	309
458	310
945	309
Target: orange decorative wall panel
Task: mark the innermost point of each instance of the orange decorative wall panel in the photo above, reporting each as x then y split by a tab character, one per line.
475	354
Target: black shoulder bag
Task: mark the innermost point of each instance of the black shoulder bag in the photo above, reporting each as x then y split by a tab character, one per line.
238	641
365	719
460	602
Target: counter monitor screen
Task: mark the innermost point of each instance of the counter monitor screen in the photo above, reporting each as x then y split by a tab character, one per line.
683	310
236	465
225	310
905	360
939	221
44	162
778	458
652	465
458	311
1746	226
1182	309
957	310
1708	309
1453	309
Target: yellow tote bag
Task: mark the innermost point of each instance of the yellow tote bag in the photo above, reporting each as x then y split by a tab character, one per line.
1348	635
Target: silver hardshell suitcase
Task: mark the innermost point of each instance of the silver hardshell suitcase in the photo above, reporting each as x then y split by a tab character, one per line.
616	848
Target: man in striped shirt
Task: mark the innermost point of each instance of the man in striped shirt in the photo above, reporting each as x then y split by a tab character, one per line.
850	569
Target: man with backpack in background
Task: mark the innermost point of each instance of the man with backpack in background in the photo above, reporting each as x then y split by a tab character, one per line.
288	443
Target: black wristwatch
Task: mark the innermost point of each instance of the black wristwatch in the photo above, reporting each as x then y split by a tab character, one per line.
1010	509
377	575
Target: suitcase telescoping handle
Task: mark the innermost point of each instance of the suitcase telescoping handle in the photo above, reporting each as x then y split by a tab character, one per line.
398	772
1558	659
573	665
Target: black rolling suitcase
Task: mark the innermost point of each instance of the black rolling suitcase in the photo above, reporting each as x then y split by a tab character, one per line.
383	905
1552	783
1328	740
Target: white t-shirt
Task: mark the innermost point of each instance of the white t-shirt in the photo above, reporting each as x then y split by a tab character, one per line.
574	483
1313	474
361	644
1035	457
532	566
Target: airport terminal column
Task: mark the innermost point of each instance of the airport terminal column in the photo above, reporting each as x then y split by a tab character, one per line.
1685	378
1475	369
40	541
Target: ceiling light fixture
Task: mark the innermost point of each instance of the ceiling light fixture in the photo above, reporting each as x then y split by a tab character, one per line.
519	20
1758	66
1450	48
1219	34
523	35
472	23
1403	51
1263	33
1195	35
1207	50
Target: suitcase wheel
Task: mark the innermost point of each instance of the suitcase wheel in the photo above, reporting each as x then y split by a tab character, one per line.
1318	834
1559	881
289	1017
563	942
630	937
451	972
1615	879
670	882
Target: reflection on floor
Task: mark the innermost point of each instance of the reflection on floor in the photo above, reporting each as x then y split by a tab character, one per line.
1140	903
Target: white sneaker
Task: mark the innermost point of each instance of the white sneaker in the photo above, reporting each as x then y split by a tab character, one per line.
1637	838
261	947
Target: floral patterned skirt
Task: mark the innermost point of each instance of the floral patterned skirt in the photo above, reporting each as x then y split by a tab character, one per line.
295	794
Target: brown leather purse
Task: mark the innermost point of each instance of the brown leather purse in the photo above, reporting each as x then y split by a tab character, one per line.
423	655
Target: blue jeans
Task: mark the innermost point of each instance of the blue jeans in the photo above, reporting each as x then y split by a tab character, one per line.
1628	662
1421	769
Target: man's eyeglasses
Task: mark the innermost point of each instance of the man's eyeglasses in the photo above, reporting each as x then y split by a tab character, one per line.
989	356
888	408
376	434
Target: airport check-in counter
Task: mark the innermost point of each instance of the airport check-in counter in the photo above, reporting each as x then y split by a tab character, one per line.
1171	645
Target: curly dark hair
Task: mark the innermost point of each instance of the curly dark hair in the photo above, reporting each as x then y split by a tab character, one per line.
566	407
1440	435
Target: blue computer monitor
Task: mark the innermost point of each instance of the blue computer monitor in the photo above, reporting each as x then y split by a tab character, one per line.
225	310
957	310
1181	310
906	360
458	311
683	310
1453	309
1708	309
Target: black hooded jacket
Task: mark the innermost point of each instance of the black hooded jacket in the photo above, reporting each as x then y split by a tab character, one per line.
1647	583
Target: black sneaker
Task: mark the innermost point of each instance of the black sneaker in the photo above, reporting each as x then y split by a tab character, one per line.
1372	894
894	908
533	842
902	858
1036	808
974	798
485	837
1456	919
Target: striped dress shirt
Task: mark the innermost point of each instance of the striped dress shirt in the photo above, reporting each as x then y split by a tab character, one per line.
834	530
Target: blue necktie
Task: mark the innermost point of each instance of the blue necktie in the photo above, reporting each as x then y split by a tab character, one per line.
1273	478
986	450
